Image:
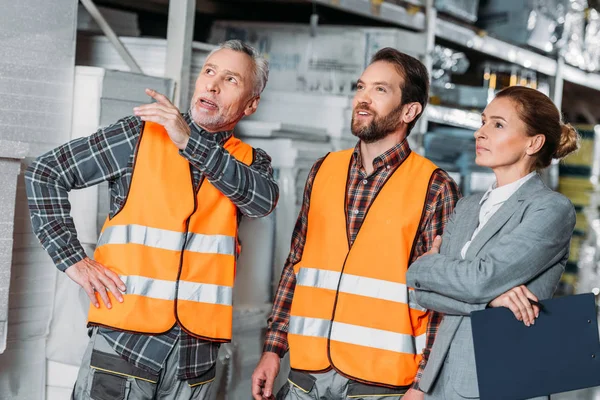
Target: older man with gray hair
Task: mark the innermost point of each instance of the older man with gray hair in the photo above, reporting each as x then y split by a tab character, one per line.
163	270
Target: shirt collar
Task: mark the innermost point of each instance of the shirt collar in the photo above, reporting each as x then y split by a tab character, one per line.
391	159
220	137
497	195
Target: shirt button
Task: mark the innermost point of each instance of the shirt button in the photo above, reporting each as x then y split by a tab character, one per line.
417	284
355	212
388	167
365	182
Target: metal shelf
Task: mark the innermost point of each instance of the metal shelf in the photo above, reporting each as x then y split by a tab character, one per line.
580	77
453	116
413	18
488	45
387	12
464	36
418	3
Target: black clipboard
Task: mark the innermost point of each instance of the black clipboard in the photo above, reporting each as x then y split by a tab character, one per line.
559	353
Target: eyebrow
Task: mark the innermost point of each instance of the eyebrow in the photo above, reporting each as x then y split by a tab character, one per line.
494	117
379	83
228	72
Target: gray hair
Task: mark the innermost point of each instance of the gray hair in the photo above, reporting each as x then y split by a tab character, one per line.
261	65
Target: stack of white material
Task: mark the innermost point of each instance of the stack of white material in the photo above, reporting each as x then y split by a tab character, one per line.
11	154
266	241
329	114
330	61
36	84
293	149
150	54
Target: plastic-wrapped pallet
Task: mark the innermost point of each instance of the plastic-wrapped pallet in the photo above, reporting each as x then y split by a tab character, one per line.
447	62
326	115
580	40
453	149
249	328
329	62
500	75
591	47
293	149
332	114
11	154
463	9
461	95
478	181
524	22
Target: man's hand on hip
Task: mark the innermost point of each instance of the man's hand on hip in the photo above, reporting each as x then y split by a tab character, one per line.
264	376
93	276
413	394
163	112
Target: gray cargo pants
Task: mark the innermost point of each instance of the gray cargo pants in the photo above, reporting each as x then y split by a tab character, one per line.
332	386
104	375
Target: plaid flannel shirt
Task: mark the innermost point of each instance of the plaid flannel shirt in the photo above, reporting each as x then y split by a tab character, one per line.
362	189
109	155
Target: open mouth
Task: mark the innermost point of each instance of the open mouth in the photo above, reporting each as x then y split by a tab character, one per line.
208	104
363	114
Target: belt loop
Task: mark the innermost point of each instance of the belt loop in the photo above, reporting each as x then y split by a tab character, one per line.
94	334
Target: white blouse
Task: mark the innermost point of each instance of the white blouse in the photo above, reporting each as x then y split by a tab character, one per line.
491	202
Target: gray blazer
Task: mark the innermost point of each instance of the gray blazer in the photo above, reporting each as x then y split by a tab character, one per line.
525	242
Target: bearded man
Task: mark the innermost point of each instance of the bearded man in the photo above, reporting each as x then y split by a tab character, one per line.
161	279
342	308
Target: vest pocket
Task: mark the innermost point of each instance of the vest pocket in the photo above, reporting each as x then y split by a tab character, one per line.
107	386
302	380
358	390
283	392
115	365
203	379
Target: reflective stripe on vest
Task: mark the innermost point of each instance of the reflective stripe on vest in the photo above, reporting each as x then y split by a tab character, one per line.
358	335
165	290
359	285
174	246
351	308
167	240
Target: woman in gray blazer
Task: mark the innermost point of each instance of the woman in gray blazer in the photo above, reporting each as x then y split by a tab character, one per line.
501	248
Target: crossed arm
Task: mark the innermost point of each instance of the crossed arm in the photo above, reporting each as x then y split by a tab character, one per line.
497	277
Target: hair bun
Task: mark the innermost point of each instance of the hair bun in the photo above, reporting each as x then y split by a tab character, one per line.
569	141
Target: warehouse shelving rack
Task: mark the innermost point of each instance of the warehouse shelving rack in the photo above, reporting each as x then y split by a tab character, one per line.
414	15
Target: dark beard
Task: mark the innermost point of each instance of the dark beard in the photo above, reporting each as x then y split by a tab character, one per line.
379	128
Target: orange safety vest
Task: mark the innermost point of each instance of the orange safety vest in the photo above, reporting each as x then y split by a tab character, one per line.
351	308
174	249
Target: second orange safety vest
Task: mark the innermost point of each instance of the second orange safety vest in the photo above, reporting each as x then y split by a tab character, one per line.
351	308
173	247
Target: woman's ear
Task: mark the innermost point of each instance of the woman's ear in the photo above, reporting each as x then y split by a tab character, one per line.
535	144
